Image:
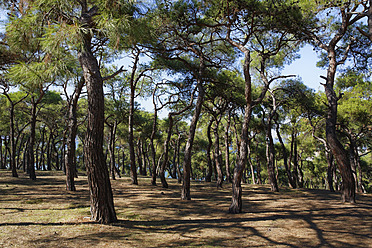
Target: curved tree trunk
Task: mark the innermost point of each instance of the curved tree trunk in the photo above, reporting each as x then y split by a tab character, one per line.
270	155
70	164
185	192
337	149
166	152
101	197
285	157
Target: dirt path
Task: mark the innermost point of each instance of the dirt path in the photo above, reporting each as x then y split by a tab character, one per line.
43	214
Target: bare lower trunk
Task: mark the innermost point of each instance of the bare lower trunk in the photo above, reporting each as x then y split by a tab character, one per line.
185	192
31	144
337	149
285	157
218	157
208	177
12	144
270	155
236	200
70	161
227	149
101	197
166	152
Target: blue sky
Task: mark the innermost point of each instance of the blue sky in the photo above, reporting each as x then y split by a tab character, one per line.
305	67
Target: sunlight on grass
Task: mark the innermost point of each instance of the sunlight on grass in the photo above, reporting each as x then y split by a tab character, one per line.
44	214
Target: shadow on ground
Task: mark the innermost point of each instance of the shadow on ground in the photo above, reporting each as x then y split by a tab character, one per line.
43	214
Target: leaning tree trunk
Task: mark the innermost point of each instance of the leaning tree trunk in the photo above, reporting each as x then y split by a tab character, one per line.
185	192
101	197
70	165
285	157
166	153
152	147
337	149
270	155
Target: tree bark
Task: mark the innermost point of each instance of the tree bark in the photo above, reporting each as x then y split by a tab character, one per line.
101	197
208	177
152	146
166	152
217	155
251	164
270	155
31	144
339	153
236	201
227	149
70	164
185	192
292	182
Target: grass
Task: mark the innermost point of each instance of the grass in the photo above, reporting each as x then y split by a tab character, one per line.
42	213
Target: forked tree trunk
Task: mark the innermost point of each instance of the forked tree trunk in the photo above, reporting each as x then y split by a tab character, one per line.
101	197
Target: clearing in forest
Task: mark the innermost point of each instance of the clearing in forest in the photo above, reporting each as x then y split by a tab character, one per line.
42	213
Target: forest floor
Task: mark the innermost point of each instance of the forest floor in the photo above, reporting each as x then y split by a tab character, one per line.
42	213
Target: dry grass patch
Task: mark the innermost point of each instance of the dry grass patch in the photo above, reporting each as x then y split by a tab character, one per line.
44	214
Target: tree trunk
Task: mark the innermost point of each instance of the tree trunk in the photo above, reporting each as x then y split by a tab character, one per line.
101	197
227	149
12	143
180	176
166	152
174	166
70	162
270	155
251	164
292	182
31	144
49	152
185	192
144	158
208	177
132	155
236	201
218	156
152	146
339	153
